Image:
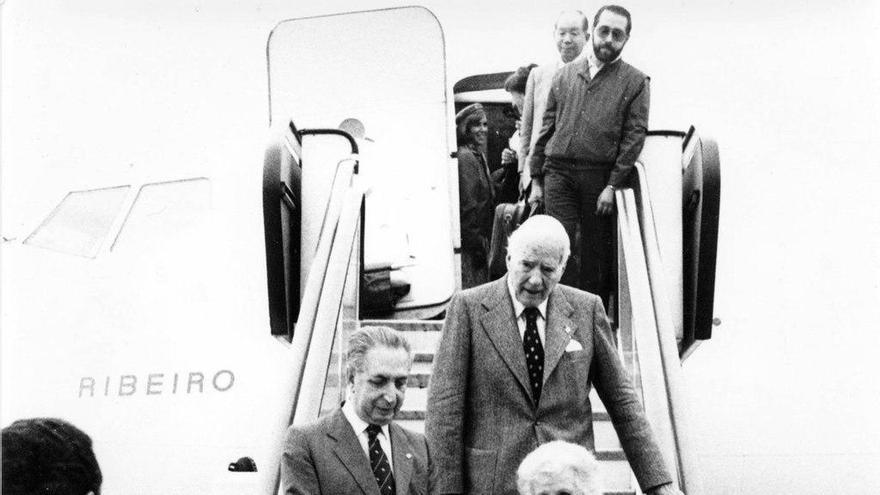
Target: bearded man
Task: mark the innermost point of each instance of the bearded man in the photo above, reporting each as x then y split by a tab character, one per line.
593	131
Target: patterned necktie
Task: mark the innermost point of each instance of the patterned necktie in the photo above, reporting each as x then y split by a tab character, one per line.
379	462
534	352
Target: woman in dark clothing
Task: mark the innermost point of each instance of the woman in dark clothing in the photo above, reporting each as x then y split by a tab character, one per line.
476	198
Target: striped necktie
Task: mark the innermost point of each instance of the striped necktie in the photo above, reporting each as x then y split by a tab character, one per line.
379	462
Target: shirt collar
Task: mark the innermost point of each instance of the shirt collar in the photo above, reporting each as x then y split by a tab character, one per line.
358	424
519	307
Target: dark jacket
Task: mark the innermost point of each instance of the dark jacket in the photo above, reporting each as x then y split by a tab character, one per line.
599	121
476	203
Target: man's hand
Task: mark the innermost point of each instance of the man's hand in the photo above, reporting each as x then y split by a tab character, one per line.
537	195
666	489
605	203
508	156
525	181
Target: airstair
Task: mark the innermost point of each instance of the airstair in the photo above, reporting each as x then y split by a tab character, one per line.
656	324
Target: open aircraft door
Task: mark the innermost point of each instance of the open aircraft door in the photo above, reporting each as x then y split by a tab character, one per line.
381	76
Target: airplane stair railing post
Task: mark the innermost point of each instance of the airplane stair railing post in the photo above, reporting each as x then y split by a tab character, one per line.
340	292
646	321
329	306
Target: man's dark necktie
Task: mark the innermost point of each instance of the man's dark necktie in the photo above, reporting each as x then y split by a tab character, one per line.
379	462
534	352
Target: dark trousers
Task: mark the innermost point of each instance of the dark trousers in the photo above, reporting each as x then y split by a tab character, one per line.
474	269
570	195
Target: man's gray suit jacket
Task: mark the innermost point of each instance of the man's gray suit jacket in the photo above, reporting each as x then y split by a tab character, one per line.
482	419
326	458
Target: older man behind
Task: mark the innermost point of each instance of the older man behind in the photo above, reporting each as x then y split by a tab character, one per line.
358	448
570	32
514	369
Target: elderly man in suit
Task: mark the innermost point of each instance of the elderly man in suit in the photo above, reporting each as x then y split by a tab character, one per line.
358	449
514	369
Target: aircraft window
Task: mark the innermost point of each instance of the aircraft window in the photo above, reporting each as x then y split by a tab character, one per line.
164	212
81	222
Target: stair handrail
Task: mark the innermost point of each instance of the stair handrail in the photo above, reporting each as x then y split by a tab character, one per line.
321	303
345	249
653	330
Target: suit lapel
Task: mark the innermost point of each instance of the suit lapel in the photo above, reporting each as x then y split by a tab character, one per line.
557	332
500	325
401	452
349	451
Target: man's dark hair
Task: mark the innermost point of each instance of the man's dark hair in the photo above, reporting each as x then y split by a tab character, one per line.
517	81
617	9
48	455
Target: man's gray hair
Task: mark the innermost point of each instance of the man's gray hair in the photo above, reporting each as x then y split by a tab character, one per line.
585	22
556	459
367	338
541	234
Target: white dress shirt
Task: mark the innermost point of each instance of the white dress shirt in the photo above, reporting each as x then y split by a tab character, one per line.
360	429
518	309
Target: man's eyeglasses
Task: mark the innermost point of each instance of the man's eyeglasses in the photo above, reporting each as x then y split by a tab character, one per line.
617	35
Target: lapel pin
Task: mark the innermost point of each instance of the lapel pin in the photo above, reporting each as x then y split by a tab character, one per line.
408	455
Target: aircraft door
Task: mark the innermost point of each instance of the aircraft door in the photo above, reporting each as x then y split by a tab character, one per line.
381	76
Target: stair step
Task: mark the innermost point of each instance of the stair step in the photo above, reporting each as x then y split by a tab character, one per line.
423	336
407	325
423	357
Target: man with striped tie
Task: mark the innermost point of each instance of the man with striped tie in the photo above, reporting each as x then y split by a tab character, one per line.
358	448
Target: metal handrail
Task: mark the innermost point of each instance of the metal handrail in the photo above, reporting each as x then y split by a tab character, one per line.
345	244
320	308
666	333
653	330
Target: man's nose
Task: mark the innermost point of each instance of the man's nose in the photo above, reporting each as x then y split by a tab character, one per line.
535	277
390	394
